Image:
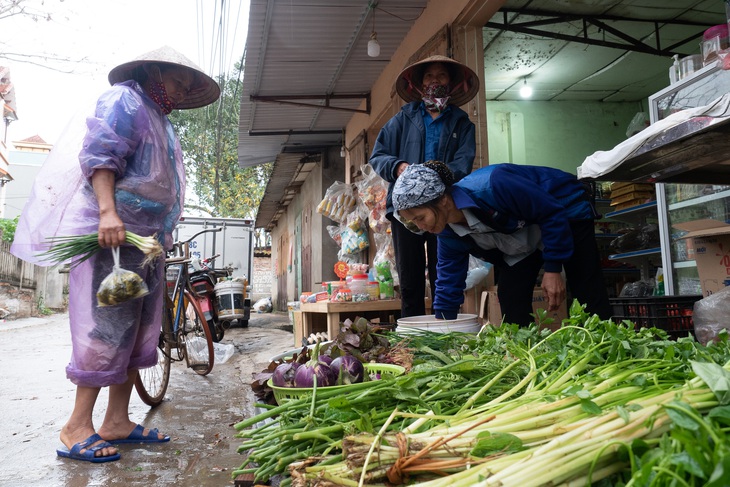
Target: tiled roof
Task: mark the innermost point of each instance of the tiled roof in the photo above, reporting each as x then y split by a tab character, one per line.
36	139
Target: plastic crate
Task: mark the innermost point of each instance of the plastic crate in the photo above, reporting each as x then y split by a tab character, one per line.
672	314
285	394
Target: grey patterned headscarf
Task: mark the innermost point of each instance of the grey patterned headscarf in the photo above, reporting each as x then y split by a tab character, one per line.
417	186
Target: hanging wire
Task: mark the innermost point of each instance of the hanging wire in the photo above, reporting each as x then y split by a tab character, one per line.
372	7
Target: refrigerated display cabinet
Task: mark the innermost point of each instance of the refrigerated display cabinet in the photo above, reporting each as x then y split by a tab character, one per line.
697	160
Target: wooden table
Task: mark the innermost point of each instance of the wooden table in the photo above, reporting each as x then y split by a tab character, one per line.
333	312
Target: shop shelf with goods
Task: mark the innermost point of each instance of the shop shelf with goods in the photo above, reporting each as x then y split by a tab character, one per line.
615	273
703	196
625	234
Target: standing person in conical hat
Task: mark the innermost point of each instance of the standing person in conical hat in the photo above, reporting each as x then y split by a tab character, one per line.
127	174
430	127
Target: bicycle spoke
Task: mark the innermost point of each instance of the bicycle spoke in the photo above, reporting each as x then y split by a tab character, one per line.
198	339
151	382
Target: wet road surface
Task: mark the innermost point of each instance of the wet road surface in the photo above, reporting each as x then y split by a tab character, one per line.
198	412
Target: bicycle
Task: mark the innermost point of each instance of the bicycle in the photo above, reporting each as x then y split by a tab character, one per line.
185	333
203	279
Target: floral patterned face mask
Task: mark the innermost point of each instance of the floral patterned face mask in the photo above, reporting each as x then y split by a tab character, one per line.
158	93
436	97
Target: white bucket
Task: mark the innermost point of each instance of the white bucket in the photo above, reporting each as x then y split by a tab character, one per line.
229	299
464	323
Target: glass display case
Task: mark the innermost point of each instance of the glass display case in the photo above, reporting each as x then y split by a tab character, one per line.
679	203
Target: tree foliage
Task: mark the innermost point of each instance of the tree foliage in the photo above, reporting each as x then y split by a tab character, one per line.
209	139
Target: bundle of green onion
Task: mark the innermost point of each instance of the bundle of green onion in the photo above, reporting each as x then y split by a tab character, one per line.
79	248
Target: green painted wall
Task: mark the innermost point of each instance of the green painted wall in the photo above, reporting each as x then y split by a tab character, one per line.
555	134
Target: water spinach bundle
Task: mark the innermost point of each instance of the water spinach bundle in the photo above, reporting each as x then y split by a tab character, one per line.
593	403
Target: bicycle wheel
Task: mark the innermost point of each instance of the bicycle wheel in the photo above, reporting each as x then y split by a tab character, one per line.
196	338
216	329
151	383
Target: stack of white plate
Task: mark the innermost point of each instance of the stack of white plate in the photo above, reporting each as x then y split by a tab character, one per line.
465	323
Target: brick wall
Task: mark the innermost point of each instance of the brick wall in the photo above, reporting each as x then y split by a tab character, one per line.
262	277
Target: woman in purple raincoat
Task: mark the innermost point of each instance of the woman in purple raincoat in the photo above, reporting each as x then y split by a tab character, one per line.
124	173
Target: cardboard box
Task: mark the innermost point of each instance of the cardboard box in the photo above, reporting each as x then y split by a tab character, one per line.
471	299
629	204
711	244
473	296
642	196
621	188
491	312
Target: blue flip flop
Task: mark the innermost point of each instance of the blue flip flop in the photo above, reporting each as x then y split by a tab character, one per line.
137	436
90	454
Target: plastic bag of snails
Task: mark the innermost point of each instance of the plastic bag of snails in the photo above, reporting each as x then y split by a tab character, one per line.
120	285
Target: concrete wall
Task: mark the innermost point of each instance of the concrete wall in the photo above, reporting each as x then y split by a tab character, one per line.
324	249
555	134
48	291
24	166
262	277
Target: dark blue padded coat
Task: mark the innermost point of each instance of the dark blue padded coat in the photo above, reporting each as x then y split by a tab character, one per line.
402	139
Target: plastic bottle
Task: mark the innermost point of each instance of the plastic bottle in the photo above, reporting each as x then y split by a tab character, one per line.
373	290
674	70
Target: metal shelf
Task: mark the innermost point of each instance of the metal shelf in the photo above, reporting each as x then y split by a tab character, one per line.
634	211
636	254
699	200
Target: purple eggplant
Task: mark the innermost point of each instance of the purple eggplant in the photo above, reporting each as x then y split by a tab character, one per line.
349	369
306	373
283	375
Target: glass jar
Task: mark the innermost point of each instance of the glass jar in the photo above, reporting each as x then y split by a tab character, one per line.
689	64
714	41
342	295
358	286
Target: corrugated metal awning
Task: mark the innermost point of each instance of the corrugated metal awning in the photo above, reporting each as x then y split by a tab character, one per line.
290	172
307	70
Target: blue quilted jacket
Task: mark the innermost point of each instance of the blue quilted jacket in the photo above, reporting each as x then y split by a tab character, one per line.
507	197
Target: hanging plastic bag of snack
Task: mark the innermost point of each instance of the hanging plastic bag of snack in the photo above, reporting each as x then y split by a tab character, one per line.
354	242
338	202
373	192
335	232
384	260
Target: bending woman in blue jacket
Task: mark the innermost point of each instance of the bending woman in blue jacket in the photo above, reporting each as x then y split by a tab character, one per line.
519	218
431	126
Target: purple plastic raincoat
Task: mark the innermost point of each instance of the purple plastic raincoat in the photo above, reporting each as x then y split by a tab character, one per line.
129	135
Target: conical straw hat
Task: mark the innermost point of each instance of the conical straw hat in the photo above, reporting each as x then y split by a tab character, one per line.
204	92
464	82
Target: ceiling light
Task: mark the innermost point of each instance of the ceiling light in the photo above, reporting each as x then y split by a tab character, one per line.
525	91
373	44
